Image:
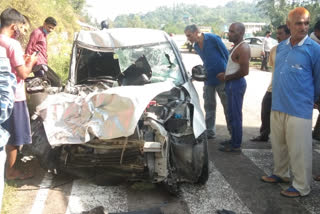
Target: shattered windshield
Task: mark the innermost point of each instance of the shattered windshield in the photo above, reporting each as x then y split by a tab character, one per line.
161	59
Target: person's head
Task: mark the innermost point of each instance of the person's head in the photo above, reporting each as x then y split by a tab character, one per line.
192	33
317	29
283	33
104	24
26	26
12	21
298	23
49	24
236	32
268	34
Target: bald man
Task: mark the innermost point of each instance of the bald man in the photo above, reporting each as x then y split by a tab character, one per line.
296	87
237	68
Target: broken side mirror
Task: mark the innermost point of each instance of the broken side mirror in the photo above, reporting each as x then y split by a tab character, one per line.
199	73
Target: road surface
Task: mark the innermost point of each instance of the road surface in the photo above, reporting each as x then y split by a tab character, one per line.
233	183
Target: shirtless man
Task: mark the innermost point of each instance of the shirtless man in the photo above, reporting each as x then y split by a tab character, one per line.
237	68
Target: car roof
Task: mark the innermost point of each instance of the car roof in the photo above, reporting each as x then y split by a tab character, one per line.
121	37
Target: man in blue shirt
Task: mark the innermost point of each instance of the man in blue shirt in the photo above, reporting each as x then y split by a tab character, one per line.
296	87
7	89
214	55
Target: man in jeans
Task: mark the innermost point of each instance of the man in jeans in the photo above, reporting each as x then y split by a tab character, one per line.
7	89
214	55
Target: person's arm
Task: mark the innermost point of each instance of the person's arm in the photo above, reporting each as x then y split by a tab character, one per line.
31	43
316	77
23	71
263	45
23	66
243	58
222	48
7	89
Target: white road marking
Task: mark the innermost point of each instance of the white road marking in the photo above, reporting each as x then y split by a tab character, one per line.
42	194
85	196
214	195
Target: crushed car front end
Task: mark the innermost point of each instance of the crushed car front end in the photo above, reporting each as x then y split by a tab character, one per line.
129	109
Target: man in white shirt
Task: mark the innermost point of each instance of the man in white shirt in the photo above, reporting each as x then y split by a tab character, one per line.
266	47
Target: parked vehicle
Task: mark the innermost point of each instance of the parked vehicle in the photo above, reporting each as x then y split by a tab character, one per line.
129	109
255	44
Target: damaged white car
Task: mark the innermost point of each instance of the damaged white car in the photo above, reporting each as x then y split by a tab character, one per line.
128	109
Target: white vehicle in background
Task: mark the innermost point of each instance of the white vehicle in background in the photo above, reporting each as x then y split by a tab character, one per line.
255	44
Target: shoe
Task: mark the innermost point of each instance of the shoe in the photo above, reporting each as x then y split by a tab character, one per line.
316	177
274	179
291	192
226	142
229	148
259	139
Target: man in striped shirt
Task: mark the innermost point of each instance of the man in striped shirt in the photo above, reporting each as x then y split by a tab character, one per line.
7	90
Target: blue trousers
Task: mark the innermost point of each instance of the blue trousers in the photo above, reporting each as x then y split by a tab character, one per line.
235	92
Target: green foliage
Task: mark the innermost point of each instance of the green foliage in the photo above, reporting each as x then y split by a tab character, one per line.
66	12
277	10
174	19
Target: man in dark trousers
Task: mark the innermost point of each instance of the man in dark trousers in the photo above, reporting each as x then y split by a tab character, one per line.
283	33
237	69
38	42
214	55
266	48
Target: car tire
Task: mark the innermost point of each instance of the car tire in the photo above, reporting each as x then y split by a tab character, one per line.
204	176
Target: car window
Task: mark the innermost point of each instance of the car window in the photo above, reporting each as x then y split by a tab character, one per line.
248	40
255	41
161	58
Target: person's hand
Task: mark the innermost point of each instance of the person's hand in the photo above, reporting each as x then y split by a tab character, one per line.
262	53
31	59
221	76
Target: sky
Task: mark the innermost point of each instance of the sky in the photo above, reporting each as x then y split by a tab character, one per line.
103	9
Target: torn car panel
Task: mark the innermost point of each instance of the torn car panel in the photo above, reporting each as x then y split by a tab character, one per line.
128	109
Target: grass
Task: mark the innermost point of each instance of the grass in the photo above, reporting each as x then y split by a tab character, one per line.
9	196
255	63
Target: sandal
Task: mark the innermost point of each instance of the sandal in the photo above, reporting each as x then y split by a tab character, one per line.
291	192
316	178
274	179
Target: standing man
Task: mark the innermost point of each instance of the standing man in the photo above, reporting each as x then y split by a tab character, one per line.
38	42
315	35
296	87
7	88
214	55
237	68
283	33
266	47
18	124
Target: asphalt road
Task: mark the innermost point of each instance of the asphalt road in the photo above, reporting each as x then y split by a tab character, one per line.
233	183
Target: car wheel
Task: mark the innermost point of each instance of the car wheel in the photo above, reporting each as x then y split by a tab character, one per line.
40	147
204	176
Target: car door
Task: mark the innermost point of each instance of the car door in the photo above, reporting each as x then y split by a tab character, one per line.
256	47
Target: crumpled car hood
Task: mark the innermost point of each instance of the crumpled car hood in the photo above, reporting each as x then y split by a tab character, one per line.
113	113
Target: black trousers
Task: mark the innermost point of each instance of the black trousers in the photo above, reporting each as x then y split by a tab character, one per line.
264	63
265	115
316	129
